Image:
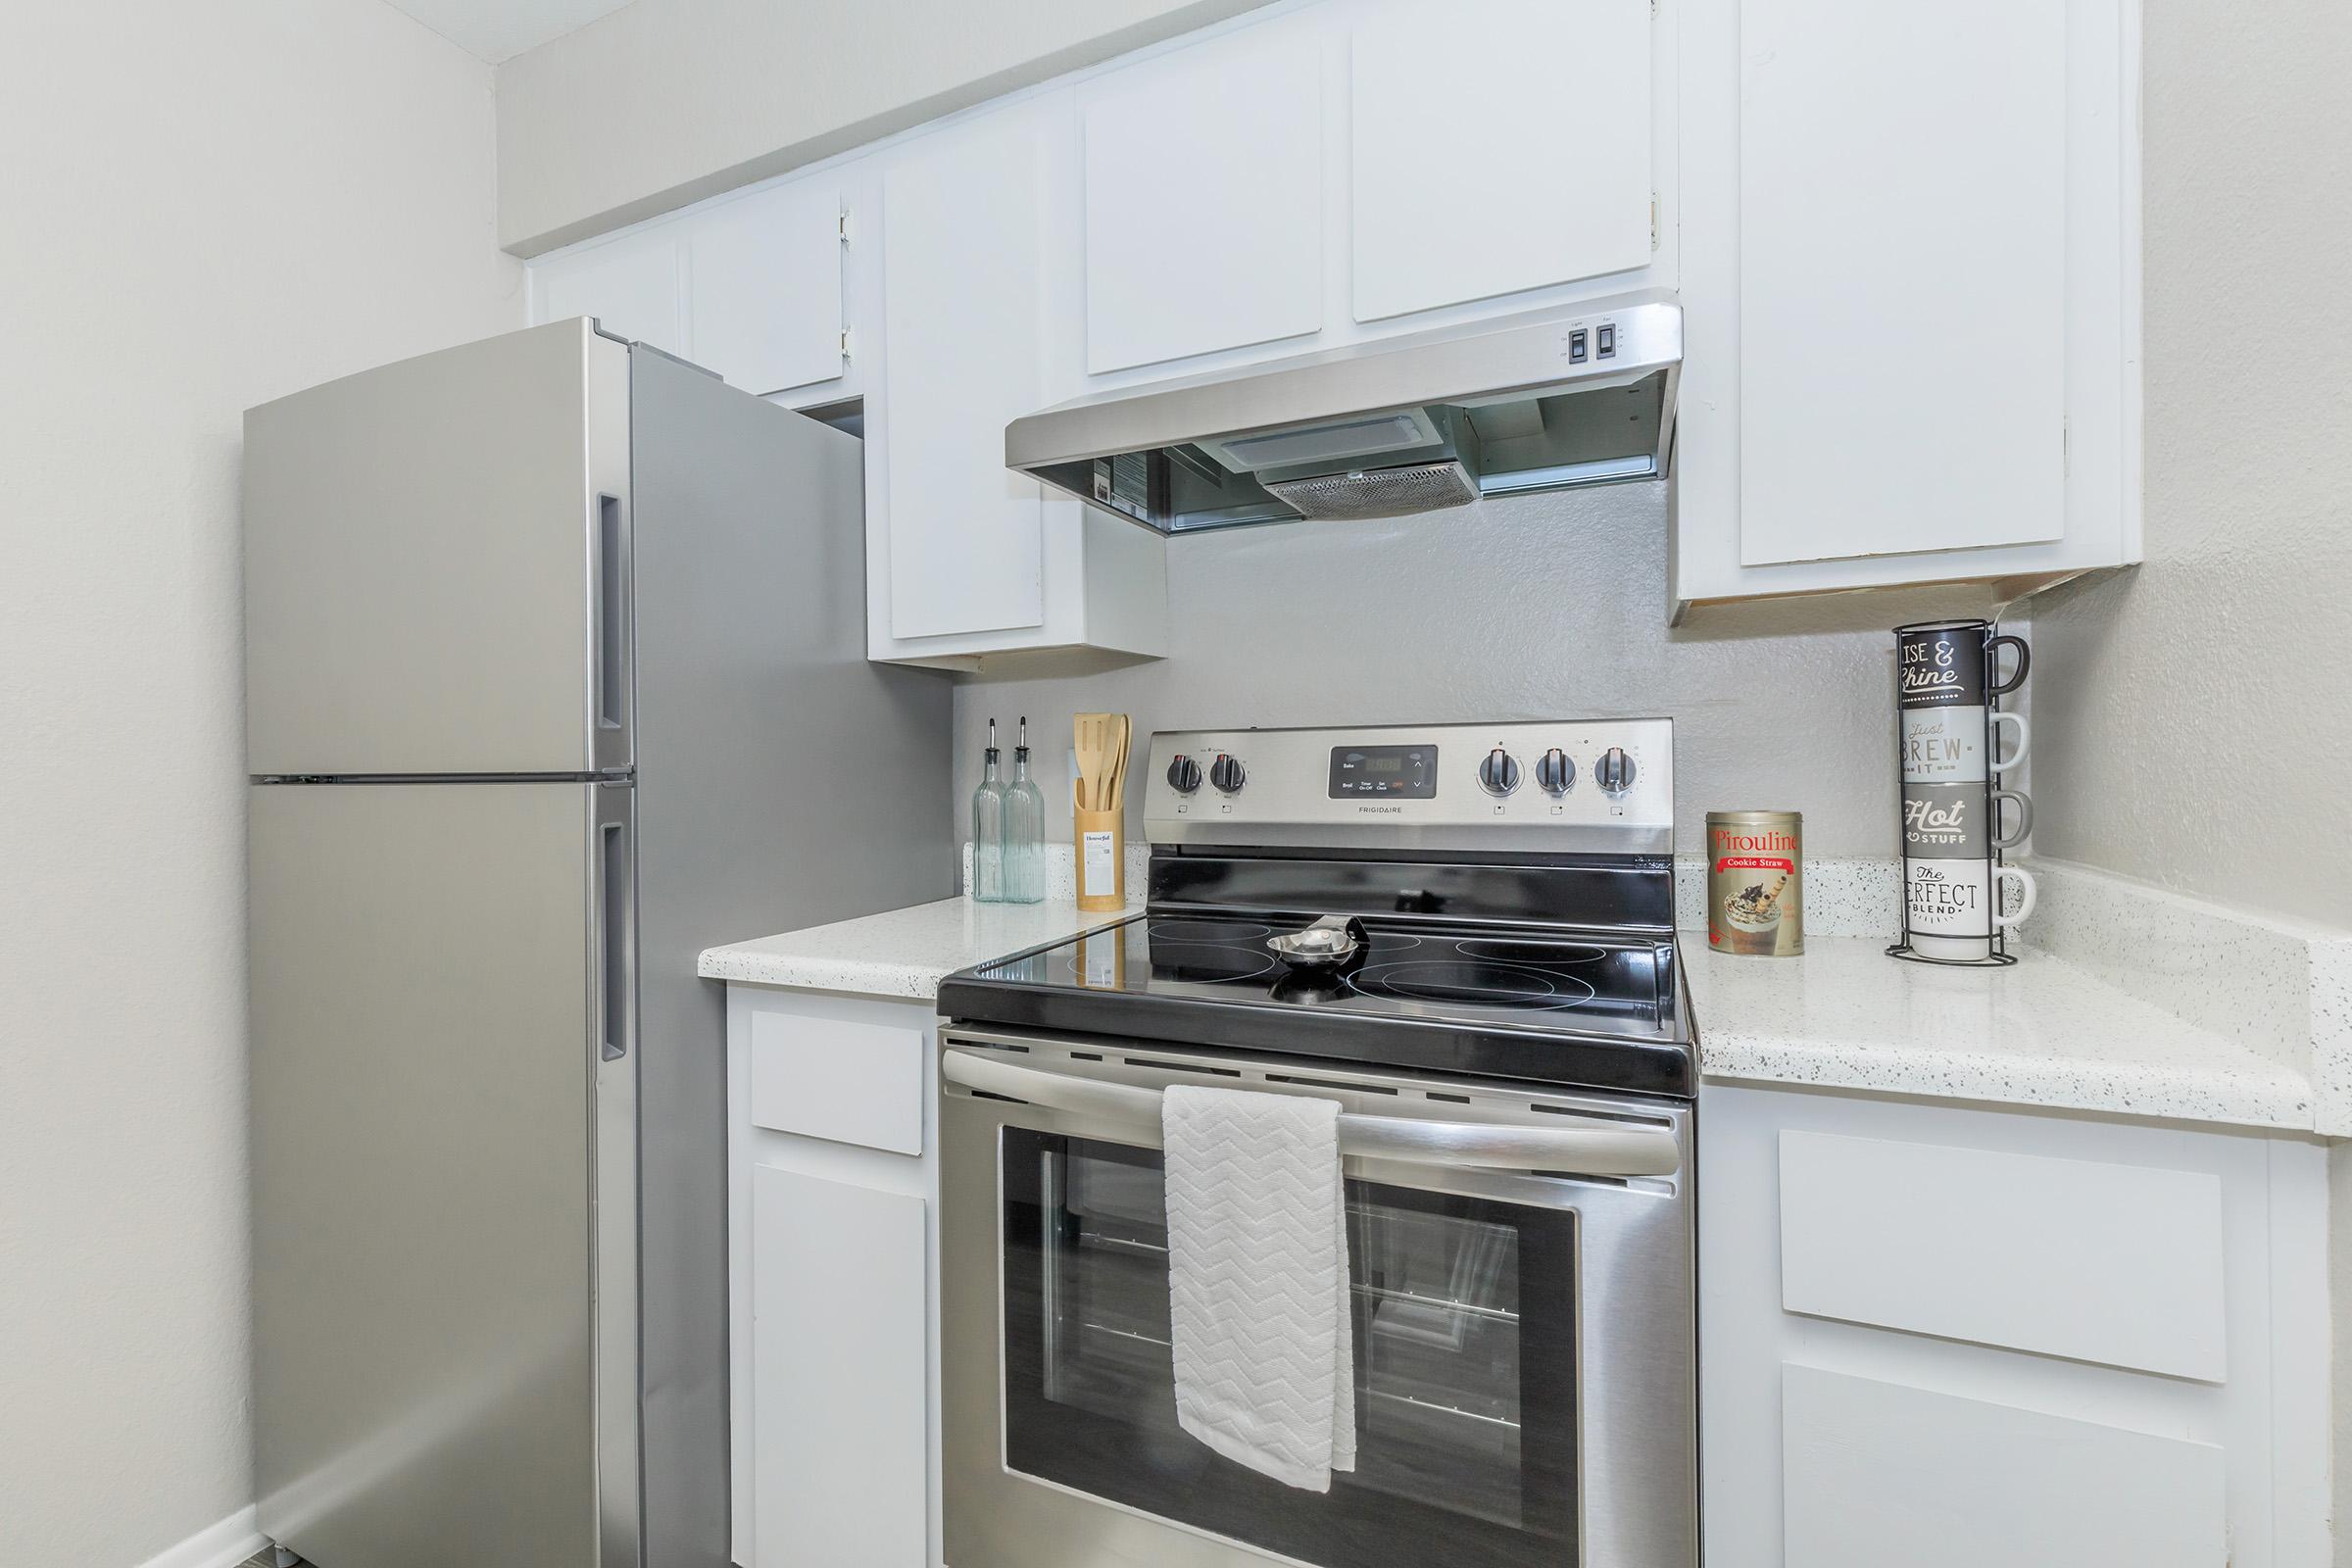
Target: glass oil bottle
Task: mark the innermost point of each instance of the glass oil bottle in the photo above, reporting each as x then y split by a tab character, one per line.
1024	830
987	828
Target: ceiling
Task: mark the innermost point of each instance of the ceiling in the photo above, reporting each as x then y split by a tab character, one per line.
497	29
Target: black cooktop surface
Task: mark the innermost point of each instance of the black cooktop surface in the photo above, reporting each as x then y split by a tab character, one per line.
1548	1003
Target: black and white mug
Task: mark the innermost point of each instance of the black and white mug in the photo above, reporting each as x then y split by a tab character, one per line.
1949	664
1952	907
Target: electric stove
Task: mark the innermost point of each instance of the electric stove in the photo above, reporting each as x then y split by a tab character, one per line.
1507	893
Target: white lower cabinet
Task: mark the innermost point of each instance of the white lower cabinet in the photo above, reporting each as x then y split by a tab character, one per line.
1949	1338
833	1258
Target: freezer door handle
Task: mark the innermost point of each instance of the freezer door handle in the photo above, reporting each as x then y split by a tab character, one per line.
612	611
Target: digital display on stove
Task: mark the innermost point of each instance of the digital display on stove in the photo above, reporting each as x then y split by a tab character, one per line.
1407	772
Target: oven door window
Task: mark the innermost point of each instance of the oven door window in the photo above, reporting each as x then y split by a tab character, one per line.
1466	1376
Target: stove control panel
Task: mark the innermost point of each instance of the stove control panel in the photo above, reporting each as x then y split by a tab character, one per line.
1600	786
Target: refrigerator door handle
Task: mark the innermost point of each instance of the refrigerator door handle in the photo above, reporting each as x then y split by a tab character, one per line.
612	862
613	636
617	934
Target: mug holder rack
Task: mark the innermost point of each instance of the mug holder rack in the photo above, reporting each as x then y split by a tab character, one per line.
1997	857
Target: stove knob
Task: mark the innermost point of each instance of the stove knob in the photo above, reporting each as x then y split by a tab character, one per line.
1184	775
1228	775
1555	771
1498	774
1614	772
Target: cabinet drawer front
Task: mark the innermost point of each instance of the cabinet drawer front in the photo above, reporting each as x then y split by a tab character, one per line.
1880	1473
2118	1264
854	1083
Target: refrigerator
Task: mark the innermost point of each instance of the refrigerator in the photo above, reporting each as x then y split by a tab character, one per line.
555	676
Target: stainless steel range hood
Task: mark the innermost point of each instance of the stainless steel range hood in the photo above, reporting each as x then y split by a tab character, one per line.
1577	395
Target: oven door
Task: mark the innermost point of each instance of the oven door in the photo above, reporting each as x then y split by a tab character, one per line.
1526	1389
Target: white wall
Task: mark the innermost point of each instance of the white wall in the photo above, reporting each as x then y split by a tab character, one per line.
207	206
666	102
2193	718
1535	607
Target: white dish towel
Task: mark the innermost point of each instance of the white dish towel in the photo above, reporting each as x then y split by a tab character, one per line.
1258	1281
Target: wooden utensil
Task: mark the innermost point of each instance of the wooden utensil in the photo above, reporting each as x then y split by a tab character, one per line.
1123	729
1093	735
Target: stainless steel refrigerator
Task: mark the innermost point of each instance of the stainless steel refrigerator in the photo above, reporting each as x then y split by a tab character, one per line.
555	675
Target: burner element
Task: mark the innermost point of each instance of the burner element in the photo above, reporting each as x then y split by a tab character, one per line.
1532	952
1473	981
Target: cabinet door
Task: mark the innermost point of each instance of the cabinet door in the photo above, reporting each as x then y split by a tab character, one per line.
960	217
764	287
1507	149
1204	200
1878	1473
1902	264
634	285
840	1472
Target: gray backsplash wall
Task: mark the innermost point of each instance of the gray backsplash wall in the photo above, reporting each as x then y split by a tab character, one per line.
1536	607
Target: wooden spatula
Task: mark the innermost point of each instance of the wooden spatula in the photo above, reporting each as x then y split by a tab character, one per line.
1094	739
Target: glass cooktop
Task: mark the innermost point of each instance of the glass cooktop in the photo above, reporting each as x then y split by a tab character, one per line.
1491	975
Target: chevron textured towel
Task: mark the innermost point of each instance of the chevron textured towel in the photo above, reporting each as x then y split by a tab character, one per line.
1258	1281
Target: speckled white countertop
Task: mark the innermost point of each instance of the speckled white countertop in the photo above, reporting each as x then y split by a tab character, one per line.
2041	1032
2191	1013
904	953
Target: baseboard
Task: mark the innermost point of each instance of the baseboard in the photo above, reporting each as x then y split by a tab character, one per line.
220	1546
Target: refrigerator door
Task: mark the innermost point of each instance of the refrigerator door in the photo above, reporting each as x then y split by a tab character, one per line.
782	781
436	564
443	1173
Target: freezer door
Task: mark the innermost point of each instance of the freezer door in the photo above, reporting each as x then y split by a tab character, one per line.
436	564
443	1173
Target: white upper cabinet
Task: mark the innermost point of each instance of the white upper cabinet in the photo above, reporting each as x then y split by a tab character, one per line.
1205	199
1498	146
764	287
1903	252
750	287
635	285
963	555
960	217
1910	279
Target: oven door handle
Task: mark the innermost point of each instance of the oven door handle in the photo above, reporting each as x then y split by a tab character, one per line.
1495	1146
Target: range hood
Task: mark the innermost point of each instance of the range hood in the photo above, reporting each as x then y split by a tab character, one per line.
1577	395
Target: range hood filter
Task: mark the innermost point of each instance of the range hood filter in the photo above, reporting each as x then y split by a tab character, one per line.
1379	493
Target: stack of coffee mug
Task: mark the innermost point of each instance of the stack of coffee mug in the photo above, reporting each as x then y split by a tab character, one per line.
1948	686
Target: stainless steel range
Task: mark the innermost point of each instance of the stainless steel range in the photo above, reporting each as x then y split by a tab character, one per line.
1464	935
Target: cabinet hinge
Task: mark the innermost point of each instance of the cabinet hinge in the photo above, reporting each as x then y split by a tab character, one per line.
1653	221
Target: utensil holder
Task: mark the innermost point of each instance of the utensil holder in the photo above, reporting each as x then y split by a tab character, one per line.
1100	839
